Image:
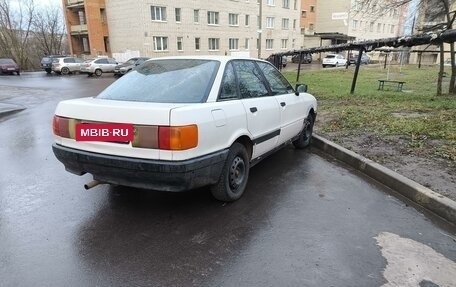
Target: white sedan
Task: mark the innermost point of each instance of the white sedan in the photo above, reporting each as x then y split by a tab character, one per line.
334	60
179	123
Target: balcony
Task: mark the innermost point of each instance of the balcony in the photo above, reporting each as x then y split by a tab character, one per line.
79	29
75	3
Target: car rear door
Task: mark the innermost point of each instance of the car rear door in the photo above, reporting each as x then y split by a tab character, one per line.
291	106
261	108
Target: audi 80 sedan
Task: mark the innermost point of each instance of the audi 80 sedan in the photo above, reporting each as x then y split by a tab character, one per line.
195	121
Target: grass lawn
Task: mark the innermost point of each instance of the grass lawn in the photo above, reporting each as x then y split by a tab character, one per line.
427	121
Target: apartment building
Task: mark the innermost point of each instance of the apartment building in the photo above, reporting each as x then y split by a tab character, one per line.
308	16
188	27
87	27
351	18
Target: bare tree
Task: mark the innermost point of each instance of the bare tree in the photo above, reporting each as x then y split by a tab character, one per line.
15	27
49	30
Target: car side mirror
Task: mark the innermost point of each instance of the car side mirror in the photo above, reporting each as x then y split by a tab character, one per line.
300	88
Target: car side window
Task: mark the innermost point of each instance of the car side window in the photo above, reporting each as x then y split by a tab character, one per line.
251	84
277	82
112	61
101	61
68	60
228	87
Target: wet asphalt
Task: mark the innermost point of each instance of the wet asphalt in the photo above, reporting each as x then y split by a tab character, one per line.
305	219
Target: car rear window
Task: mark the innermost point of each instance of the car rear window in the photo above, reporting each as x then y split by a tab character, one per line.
330	56
165	81
6	61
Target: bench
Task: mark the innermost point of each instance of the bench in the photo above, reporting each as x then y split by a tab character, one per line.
381	84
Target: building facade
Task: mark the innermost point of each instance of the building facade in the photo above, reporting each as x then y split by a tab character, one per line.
87	27
352	18
308	16
189	27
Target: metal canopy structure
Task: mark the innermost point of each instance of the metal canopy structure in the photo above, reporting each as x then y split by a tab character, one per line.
447	36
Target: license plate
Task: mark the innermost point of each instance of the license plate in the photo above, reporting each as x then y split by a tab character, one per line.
104	132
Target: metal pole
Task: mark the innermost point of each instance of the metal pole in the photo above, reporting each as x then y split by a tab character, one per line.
260	26
299	67
355	76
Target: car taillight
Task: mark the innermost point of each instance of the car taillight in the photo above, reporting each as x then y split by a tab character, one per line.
166	137
61	126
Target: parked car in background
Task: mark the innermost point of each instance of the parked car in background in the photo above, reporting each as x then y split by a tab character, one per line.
46	62
98	66
284	61
334	60
306	58
126	67
8	66
190	122
365	59
66	65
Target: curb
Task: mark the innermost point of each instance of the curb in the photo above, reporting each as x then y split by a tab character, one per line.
7	109
437	203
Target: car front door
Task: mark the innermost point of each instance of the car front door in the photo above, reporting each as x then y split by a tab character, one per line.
292	109
261	108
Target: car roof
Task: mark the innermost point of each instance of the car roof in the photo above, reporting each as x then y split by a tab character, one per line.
222	59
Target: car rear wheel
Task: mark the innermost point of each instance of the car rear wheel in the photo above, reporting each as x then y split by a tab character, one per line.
18	73
48	71
305	136
98	72
65	71
324	66
235	174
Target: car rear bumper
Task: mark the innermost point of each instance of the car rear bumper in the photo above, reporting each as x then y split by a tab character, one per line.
144	173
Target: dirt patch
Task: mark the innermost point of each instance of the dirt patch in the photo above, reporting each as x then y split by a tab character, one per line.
394	152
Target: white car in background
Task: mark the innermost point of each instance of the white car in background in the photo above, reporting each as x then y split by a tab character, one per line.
98	66
196	121
334	60
66	65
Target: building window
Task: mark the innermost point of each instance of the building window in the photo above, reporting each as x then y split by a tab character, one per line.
178	14
384	28
85	45
284	43
247	43
214	44
233	19
160	43
103	15
392	29
270	2
285	23
196	16
212	18
269	22
269	44
304	14
312	9
295	5
197	44
286	4
293	42
179	44
355	24
371	27
311	26
234	44
158	13
294	23
247	20
379	27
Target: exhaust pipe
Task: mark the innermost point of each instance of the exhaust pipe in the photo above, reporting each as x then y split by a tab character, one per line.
91	184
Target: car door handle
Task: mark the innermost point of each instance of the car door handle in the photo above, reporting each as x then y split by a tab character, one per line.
253	109
283	104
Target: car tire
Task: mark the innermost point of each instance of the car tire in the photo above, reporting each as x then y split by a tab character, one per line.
65	71
48	71
324	66
235	173
18	73
98	72
305	136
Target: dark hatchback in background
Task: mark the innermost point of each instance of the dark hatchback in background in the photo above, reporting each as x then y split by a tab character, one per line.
8	66
46	62
306	58
126	67
353	58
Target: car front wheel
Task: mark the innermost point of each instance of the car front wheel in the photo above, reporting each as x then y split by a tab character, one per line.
235	174
98	72
65	71
305	136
